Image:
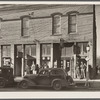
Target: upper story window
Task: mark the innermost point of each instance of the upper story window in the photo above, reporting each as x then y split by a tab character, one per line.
25	26
72	23
56	24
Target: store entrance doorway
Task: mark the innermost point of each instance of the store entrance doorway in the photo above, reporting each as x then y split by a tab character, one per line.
18	60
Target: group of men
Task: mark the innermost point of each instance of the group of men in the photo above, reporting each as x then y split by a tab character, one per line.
33	69
80	70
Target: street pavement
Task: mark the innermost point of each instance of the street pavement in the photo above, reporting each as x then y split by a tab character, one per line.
40	89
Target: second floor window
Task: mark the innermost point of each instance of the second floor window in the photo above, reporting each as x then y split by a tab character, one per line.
56	24
25	26
72	23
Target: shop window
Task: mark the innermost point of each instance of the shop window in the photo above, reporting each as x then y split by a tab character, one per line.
56	24
6	55
72	23
63	53
25	26
6	50
46	50
84	47
30	50
66	51
80	48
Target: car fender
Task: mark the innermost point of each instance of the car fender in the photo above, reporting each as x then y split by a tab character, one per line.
30	83
56	80
63	82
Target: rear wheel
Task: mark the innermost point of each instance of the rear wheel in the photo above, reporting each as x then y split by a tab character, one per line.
2	83
57	85
24	84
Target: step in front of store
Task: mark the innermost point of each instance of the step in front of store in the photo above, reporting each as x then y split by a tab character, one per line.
92	83
80	82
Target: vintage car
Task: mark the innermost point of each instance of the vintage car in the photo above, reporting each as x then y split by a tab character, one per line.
6	76
50	77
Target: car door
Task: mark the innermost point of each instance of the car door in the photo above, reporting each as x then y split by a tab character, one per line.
57	74
43	78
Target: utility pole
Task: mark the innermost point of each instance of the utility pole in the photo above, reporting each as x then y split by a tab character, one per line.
94	42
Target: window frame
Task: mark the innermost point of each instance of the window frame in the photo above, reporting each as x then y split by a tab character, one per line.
55	15
8	50
81	48
29	46
23	26
74	13
45	49
0	23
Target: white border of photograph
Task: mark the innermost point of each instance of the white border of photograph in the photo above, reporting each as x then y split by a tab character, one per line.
49	94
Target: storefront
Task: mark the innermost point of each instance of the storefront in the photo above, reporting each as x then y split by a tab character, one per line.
24	55
46	55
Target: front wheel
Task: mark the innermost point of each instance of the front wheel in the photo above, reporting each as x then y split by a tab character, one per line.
57	85
24	84
2	83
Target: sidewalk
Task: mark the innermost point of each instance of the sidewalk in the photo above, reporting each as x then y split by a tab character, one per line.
95	83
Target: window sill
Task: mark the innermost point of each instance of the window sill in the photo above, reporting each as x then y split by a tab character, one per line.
56	34
72	33
26	36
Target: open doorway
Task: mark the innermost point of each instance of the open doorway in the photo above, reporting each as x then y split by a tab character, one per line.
18	60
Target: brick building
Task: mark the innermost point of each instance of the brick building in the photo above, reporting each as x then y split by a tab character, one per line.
37	32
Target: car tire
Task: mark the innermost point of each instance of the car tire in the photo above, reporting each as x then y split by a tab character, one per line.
24	84
2	83
57	85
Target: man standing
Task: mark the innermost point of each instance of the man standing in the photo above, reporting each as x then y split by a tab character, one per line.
77	69
33	67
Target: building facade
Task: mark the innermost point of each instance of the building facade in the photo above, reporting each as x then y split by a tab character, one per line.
56	35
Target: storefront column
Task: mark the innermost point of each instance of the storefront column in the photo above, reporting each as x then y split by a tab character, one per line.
64	64
23	60
74	64
51	55
0	56
38	53
12	56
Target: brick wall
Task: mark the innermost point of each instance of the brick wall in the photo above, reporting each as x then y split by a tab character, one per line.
45	11
41	28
